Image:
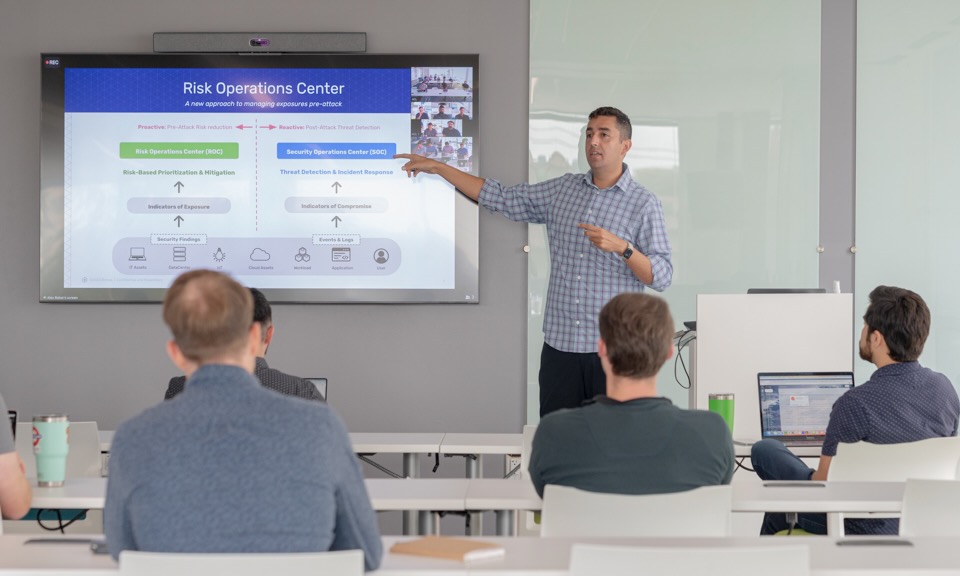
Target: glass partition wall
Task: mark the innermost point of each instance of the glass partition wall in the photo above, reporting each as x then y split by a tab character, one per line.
725	103
908	172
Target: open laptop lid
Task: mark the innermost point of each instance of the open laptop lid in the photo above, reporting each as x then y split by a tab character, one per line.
795	406
321	384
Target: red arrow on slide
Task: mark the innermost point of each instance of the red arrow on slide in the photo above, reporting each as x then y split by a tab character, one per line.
241	127
269	126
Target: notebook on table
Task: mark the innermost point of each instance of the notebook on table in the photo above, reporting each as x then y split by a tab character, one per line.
795	406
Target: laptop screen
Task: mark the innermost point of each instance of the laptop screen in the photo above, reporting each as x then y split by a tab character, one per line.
321	384
796	405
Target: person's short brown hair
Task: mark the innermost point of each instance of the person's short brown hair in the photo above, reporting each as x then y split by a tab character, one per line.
208	313
637	329
902	317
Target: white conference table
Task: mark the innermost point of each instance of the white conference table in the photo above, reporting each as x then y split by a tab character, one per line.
429	495
472	446
538	556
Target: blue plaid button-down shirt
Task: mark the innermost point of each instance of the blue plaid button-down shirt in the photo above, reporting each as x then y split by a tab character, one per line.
583	277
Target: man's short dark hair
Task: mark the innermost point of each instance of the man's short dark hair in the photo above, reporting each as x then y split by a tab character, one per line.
208	314
902	317
262	313
623	121
637	329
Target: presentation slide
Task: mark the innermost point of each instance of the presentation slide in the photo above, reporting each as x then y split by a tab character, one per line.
282	177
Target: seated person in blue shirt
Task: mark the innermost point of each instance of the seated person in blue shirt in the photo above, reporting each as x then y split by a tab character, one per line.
228	465
632	441
902	402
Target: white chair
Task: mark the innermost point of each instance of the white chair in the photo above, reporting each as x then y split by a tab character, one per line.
340	563
83	460
928	508
591	559
577	513
930	459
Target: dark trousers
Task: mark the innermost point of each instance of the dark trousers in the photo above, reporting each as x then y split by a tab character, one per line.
567	379
773	461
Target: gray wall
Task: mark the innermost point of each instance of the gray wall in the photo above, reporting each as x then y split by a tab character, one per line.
391	368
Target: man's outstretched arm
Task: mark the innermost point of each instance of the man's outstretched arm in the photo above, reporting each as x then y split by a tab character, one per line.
467	183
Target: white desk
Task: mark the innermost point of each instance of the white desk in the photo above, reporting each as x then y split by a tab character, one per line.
742	447
80	493
881	497
534	557
472	446
410	445
458	494
426	496
551	556
503	496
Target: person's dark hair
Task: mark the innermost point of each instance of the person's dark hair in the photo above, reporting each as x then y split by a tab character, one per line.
623	121
262	313
637	329
208	313
902	318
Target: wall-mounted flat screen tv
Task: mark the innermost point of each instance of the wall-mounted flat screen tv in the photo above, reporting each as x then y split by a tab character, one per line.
277	169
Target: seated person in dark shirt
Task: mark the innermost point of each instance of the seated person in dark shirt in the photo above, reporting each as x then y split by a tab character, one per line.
632	441
441	113
273	379
462	115
451	129
902	402
431	150
430	131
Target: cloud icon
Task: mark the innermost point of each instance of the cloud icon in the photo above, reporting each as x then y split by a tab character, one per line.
259	255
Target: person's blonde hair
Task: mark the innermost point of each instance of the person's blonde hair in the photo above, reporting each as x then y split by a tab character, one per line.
208	313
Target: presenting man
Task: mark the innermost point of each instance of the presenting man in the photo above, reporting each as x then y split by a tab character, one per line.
229	466
902	402
273	379
607	236
632	441
15	491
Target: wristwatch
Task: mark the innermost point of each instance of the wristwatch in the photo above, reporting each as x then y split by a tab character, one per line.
628	252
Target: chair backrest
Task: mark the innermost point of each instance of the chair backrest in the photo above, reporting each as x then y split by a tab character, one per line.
933	458
572	512
340	563
528	433
591	559
928	508
83	460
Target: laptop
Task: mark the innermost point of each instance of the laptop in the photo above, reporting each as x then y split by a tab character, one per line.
321	384
795	406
